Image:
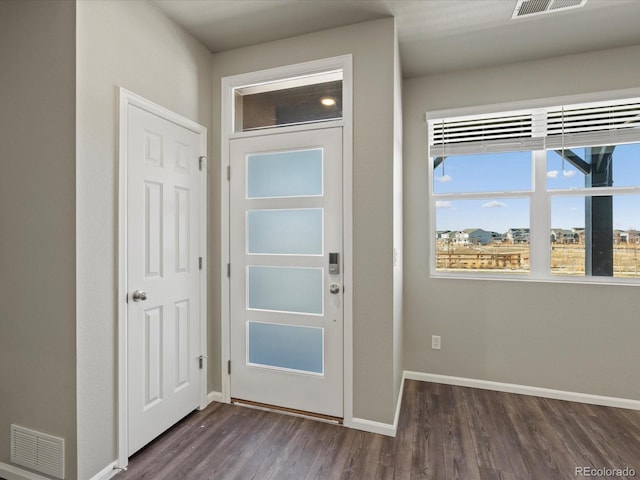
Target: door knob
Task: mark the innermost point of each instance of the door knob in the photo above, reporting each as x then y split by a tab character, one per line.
139	296
334	288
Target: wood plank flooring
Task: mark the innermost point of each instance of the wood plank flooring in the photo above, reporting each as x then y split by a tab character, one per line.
445	432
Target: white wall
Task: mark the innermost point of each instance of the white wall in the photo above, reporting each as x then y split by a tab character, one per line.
372	46
126	44
580	338
37	214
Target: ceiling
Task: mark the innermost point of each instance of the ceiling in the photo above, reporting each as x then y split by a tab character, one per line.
435	36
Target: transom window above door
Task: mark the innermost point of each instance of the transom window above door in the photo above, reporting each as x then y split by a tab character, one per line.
301	100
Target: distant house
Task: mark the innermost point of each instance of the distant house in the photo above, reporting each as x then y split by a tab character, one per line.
445	235
617	236
472	236
517	235
630	236
496	237
560	235
579	231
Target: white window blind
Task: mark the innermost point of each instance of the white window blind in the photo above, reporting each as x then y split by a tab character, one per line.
590	125
603	123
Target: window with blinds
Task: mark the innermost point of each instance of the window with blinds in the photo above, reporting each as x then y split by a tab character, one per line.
547	193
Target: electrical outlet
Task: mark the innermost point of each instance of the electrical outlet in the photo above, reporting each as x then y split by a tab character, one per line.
435	342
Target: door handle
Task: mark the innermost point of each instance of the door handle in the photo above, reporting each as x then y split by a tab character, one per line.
334	288
139	296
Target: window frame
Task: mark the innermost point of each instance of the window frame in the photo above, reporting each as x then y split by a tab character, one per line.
540	196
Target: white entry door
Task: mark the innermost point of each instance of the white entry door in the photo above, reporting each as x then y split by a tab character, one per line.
286	299
164	309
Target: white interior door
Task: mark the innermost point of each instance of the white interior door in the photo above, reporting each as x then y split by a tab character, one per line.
163	277
286	302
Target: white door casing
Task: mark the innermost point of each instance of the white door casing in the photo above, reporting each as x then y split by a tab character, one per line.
229	131
318	386
163	274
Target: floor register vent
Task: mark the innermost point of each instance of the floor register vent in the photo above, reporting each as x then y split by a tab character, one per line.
37	451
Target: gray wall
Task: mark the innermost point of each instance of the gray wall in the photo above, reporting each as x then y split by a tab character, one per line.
372	46
580	338
37	214
129	44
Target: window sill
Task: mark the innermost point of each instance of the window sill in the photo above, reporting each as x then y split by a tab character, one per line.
528	277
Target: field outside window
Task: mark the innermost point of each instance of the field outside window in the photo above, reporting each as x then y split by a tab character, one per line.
568	245
483	235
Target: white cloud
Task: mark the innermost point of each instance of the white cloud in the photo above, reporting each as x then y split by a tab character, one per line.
444	178
565	173
443	204
494	204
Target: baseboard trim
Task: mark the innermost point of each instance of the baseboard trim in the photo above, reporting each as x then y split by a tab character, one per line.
373	427
214	397
525	390
14	473
107	472
396	417
387	429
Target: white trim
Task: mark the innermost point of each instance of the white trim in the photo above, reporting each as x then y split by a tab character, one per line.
226	130
525	390
373	427
287	129
379	427
345	63
204	275
396	417
107	472
301	81
122	447
347	231
127	98
533	104
215	397
14	473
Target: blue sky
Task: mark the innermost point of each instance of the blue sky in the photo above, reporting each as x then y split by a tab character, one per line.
512	172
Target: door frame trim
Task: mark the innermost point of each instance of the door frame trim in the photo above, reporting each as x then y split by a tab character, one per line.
126	99
345	63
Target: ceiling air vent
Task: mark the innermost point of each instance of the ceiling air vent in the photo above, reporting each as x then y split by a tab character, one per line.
527	8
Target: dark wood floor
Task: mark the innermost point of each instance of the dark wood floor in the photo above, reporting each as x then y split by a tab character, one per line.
445	432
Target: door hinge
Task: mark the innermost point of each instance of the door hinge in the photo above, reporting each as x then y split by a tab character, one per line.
200	263
201	361
228	173
229	367
229	270
201	161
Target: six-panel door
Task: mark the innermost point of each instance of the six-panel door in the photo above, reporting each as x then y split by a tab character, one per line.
163	310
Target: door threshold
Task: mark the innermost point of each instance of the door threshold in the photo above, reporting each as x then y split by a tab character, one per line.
287	411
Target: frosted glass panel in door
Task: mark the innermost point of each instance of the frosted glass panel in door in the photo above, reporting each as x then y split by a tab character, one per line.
285	346
285	289
296	173
292	232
